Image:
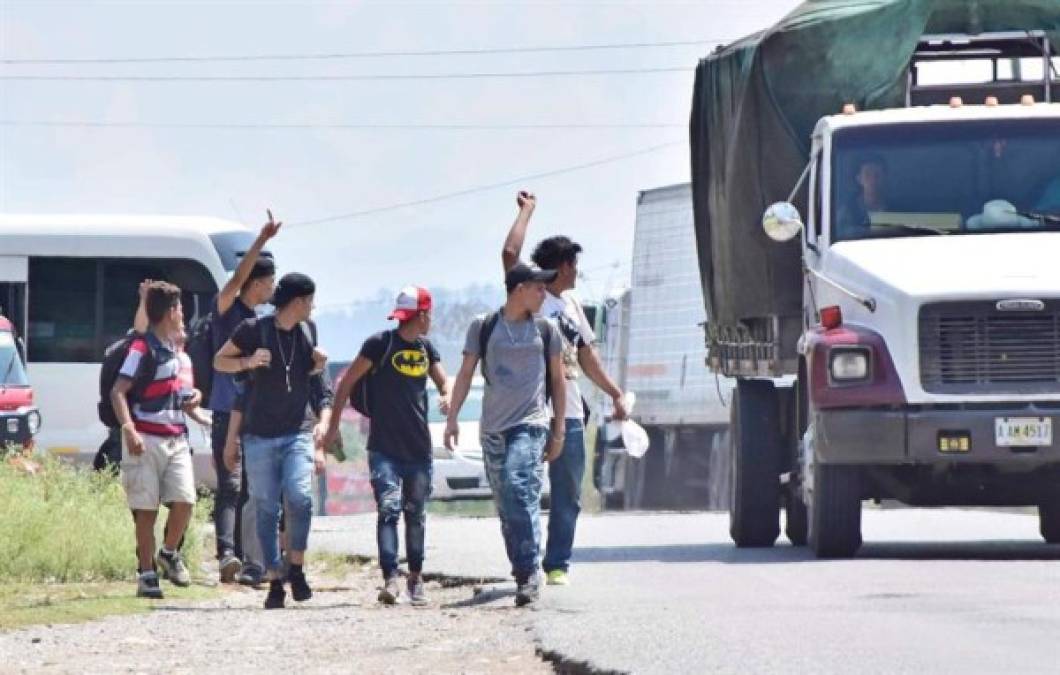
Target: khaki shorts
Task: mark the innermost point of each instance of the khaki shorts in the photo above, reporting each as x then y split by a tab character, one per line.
161	475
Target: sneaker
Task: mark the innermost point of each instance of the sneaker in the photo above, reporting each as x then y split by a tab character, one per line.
390	593
558	578
300	589
173	568
417	591
527	591
147	586
229	567
276	596
250	576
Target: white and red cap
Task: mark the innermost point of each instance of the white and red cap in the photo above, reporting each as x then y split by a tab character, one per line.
411	301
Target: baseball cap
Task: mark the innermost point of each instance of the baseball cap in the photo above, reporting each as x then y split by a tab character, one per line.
411	301
521	273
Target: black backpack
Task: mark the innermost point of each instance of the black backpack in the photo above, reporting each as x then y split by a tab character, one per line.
361	396
113	358
199	348
489	323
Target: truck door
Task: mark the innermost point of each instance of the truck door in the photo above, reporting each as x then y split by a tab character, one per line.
14	273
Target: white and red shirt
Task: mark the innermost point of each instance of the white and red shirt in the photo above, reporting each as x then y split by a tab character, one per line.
158	411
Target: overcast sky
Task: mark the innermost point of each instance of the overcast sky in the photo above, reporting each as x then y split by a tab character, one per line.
312	174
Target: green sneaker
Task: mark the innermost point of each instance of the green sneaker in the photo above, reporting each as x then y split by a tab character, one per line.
558	578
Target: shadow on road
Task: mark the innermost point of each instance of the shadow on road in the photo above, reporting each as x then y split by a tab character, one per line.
783	553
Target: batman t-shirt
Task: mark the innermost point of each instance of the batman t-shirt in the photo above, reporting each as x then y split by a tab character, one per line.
399	395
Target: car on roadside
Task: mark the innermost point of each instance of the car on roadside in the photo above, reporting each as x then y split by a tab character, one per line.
19	418
461	475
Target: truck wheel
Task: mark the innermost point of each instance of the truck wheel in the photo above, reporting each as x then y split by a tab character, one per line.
835	511
796	518
1049	521
754	514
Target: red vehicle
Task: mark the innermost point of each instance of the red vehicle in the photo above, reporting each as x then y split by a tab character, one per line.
19	417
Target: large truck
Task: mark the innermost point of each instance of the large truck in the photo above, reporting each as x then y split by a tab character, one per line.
652	344
911	291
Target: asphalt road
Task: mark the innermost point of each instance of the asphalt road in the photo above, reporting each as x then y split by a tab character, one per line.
931	591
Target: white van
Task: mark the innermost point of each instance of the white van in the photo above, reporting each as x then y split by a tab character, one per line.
69	285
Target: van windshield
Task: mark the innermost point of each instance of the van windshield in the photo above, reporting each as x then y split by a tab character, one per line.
946	178
12	372
232	245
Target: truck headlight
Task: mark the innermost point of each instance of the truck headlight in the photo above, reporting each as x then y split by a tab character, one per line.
33	420
849	365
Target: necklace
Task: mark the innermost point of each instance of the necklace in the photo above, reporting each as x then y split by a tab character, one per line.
511	337
286	364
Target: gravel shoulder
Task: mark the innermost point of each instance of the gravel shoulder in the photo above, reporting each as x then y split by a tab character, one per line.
468	628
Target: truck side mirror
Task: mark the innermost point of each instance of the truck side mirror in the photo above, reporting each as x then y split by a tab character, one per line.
782	222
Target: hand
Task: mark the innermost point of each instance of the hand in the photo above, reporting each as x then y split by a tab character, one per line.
260	358
133	441
231	456
193	401
142	290
331	439
452	435
271	228
619	411
320	359
319	461
320	433
554	448
443	404
527	201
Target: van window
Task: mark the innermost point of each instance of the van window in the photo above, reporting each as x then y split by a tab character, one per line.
78	306
232	246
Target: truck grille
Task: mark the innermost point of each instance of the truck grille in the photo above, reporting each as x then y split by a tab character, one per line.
973	348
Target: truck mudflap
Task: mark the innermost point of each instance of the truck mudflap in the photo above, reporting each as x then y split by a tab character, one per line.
1020	435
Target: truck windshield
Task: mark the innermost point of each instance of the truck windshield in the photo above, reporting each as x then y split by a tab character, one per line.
12	373
946	178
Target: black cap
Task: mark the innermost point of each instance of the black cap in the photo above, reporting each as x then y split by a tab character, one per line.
263	267
291	286
521	273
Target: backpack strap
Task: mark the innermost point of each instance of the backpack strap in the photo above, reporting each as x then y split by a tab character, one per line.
489	324
386	352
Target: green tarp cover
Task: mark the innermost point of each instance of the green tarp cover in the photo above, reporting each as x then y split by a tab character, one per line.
757	101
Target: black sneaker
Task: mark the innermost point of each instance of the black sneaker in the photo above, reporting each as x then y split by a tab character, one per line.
250	576
417	591
527	591
276	596
147	586
391	592
300	589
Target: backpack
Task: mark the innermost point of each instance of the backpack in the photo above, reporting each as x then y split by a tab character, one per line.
361	395
113	358
489	323
199	348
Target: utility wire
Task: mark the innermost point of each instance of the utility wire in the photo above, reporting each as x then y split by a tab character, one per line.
334	56
309	126
342	78
491	186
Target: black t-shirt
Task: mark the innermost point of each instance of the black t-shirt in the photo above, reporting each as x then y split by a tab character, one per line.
399	395
270	408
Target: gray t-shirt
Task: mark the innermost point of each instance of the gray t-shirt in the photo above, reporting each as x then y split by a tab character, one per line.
515	387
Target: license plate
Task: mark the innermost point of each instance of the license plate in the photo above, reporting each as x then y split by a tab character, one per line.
1023	432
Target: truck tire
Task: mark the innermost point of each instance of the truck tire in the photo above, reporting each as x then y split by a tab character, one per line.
835	511
1049	521
796	518
754	514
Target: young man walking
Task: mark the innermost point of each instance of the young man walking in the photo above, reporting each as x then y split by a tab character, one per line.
560	254
281	444
156	460
521	365
251	285
396	364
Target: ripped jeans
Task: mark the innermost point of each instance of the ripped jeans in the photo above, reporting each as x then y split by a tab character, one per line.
515	468
400	486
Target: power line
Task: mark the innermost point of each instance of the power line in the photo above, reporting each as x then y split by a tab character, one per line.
342	78
333	56
222	126
491	186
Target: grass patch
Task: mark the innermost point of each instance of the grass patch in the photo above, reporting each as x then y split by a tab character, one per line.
35	604
335	565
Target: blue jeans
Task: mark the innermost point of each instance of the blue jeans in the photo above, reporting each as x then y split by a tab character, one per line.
565	477
515	469
280	468
400	486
